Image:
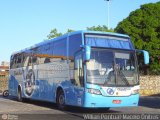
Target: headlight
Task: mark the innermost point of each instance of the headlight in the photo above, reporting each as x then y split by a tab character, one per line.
135	91
94	91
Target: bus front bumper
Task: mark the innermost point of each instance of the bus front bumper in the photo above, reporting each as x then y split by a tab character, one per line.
99	101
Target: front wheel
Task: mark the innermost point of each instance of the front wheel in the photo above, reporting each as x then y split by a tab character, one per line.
61	100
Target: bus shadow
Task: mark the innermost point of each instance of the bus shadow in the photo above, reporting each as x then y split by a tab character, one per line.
150	102
33	102
72	112
89	110
69	109
77	112
82	112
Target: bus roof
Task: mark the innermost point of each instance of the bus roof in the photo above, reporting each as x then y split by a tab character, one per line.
70	34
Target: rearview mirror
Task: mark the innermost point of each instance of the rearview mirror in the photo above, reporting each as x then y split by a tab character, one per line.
145	55
87	53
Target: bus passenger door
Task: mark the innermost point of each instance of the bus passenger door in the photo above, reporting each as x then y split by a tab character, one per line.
78	79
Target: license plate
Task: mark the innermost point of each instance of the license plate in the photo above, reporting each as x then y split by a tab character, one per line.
116	101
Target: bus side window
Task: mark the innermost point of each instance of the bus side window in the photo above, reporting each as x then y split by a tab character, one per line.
15	61
78	71
41	60
25	62
47	60
12	61
19	61
30	61
34	60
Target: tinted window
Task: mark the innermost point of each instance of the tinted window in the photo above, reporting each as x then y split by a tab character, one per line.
74	44
60	47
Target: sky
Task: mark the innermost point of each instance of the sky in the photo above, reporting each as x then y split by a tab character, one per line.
24	23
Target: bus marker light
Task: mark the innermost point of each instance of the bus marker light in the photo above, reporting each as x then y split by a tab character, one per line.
116	101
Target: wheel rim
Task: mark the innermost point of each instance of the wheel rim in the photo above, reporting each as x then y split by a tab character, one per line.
6	93
61	99
19	95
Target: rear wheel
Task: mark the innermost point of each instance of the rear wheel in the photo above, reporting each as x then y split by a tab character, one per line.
61	100
6	93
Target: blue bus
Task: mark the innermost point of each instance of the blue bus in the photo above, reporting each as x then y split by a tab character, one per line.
84	68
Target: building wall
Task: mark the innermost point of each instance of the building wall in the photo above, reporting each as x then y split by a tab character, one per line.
4	75
5	63
150	85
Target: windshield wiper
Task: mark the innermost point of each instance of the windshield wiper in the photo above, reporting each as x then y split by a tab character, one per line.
124	79
111	78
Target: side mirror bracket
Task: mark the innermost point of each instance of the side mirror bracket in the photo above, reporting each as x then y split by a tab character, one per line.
86	53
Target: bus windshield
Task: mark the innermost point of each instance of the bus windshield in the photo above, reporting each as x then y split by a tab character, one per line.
112	68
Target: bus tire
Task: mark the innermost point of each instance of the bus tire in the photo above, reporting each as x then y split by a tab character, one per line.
19	96
61	100
6	93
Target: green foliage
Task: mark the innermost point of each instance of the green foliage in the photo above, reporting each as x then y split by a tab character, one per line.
155	69
54	33
103	28
69	30
143	26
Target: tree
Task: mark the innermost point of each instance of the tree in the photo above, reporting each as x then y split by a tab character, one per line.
54	33
69	31
102	28
143	26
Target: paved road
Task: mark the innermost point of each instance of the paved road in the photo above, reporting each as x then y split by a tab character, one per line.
41	110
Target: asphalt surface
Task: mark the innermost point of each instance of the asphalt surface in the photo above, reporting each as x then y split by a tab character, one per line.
35	110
